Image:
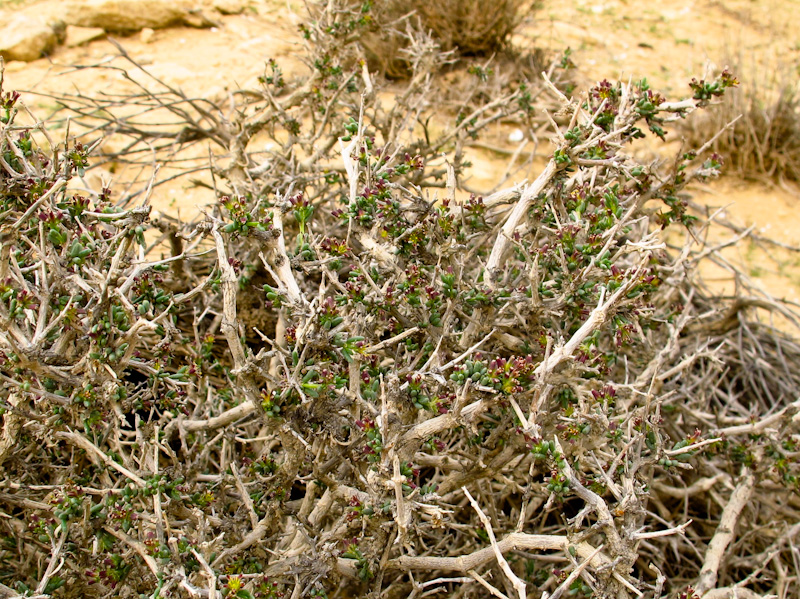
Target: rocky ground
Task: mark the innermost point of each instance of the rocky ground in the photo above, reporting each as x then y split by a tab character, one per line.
207	47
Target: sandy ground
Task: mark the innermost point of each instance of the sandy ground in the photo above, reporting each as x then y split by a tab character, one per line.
666	42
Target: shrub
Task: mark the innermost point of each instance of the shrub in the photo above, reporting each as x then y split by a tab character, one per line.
339	381
471	27
459	27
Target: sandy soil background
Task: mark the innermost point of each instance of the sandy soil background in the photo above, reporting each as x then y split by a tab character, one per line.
666	42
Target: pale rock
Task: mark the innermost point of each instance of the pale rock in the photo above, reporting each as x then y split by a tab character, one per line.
229	7
124	15
78	36
26	38
146	35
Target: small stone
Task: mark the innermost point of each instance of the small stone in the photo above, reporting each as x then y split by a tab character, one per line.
196	19
146	35
78	36
229	7
516	136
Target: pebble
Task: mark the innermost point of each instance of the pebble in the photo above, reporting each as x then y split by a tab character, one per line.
516	136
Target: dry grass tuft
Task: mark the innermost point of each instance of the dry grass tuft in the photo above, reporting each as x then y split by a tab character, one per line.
472	27
465	27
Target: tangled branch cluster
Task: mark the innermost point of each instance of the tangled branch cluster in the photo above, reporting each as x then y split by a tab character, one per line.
347	378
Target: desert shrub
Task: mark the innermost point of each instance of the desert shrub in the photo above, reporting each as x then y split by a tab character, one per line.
471	27
460	28
348	377
765	140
